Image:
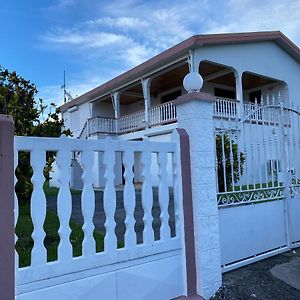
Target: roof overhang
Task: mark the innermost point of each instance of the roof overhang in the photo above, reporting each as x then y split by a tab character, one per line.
180	51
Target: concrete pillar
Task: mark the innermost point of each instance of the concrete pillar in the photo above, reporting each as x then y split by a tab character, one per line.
195	115
7	227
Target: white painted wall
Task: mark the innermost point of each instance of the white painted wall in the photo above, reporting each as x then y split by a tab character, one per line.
119	284
265	58
75	118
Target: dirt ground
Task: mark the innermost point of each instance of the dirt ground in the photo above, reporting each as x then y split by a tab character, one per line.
255	281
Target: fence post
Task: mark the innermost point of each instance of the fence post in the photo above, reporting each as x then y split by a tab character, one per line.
7	234
181	137
195	115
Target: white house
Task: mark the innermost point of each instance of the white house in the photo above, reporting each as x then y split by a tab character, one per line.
238	68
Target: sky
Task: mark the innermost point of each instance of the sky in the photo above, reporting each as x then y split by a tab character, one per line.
95	40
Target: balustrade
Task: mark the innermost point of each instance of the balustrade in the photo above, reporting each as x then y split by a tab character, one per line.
154	160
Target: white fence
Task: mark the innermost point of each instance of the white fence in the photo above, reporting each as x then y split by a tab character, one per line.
69	274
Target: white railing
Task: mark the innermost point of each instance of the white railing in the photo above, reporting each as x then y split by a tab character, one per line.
102	125
162	114
165	154
224	107
132	122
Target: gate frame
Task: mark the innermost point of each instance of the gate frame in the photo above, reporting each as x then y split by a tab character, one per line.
287	188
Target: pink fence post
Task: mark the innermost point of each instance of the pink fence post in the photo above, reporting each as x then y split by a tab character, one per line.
188	218
7	235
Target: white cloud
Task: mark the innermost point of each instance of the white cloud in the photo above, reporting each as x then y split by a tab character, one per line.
123	23
126	33
85	39
252	16
140	32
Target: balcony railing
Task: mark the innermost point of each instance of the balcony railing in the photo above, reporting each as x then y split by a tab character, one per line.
132	122
224	107
160	115
163	114
102	125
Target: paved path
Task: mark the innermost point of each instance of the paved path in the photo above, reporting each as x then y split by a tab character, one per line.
99	217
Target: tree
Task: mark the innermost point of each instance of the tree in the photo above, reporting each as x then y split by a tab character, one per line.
238	159
18	99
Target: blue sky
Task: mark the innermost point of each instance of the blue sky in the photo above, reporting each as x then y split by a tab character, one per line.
96	40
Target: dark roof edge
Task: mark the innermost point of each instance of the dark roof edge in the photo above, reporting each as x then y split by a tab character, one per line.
181	49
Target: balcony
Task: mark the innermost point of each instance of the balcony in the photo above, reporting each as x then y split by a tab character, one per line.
159	115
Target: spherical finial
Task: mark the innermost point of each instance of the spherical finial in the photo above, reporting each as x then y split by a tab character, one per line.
193	82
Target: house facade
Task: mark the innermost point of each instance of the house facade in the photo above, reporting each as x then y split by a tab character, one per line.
243	71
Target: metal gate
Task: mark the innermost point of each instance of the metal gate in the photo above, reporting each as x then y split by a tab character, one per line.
258	183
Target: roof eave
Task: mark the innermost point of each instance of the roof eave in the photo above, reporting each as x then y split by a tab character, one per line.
182	49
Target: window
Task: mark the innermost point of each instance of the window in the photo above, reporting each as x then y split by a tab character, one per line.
223	93
170	96
74	116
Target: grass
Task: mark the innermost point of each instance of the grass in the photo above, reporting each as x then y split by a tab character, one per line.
24	230
53	191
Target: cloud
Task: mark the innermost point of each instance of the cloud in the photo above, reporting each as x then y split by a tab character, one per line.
85	39
140	33
243	15
122	34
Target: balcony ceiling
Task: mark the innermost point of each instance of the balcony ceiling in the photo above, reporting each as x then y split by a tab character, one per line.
251	81
173	78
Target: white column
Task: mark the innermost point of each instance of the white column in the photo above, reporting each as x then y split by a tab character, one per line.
115	97
239	93
147	98
194	60
195	115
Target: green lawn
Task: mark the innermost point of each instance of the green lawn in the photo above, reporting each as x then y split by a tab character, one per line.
53	191
24	230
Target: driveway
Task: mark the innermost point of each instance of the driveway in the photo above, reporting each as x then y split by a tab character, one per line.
275	278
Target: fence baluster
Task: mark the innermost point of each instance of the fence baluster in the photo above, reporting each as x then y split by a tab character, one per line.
109	200
88	203
147	198
64	204
129	199
163	195
38	207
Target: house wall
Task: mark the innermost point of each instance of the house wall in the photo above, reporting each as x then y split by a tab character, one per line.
265	58
75	118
